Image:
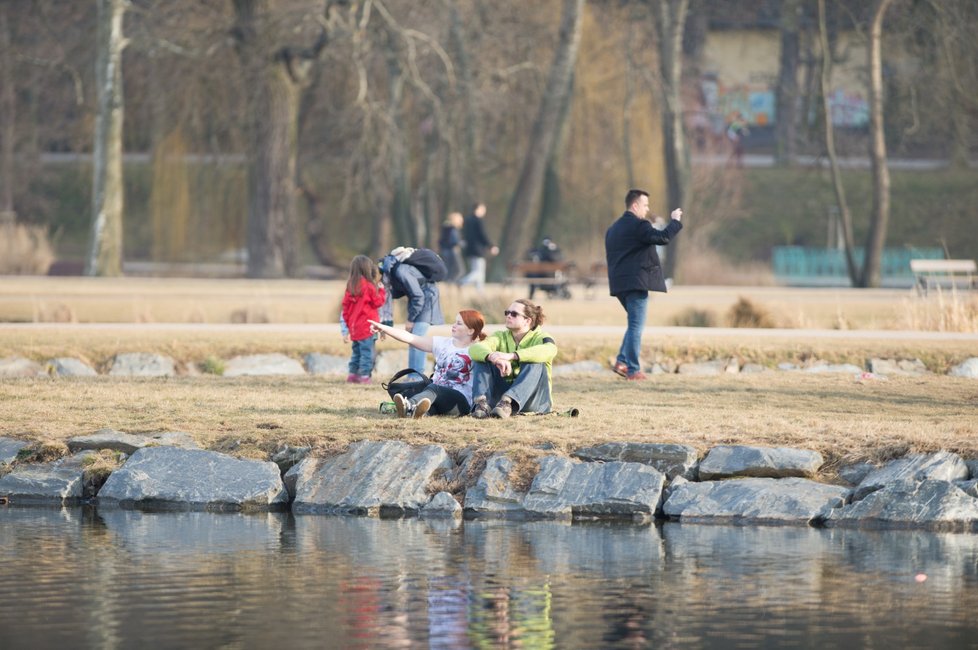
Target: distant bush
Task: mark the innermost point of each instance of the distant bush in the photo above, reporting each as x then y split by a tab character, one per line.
24	250
693	317
745	313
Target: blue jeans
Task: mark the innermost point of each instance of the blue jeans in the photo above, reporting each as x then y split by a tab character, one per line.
636	305
416	357
530	390
362	360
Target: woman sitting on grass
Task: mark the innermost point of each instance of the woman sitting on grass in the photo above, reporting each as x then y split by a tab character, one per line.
450	390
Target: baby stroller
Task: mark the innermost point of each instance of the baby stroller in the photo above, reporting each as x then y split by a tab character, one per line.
559	284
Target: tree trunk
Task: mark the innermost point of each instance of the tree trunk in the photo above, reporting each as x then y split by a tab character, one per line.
670	18
105	243
274	76
786	110
466	179
840	190
8	130
551	195
524	207
880	218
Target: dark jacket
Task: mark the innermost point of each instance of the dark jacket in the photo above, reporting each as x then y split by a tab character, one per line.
474	234
633	264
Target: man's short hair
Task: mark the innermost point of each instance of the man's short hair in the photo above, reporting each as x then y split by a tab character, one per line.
633	195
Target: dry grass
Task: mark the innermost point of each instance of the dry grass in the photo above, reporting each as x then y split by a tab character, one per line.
24	249
843	419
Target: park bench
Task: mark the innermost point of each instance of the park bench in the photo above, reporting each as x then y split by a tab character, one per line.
554	277
956	274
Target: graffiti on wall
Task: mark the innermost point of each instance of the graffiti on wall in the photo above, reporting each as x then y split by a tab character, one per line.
756	101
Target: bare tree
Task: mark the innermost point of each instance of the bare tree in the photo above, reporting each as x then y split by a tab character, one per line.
786	108
105	246
880	217
670	22
524	206
829	133
8	106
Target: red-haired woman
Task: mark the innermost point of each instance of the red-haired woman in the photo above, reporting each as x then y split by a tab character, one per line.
450	391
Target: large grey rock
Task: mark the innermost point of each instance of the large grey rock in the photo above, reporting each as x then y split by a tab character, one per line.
853	474
262	364
60	482
326	364
969	487
578	368
759	500
972	466
822	366
671	459
942	466
932	504
69	367
728	461
968	369
372	478
442	504
20	367
897	367
9	448
193	479
569	489
287	456
127	443
493	494
141	364
715	367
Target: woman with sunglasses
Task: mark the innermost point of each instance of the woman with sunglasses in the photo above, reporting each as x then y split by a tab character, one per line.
513	367
450	390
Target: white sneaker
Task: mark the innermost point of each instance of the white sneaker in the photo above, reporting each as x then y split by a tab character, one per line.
403	406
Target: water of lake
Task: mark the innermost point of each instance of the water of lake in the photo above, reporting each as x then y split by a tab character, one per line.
81	578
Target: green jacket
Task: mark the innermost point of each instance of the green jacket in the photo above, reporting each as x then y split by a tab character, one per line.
536	347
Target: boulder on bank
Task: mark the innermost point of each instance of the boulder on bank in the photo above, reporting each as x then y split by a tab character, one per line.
263	364
127	443
942	466
69	367
493	494
376	478
61	482
568	489
909	503
671	459
193	479
9	448
754	500
897	367
141	364
326	364
968	369
20	367
442	505
727	461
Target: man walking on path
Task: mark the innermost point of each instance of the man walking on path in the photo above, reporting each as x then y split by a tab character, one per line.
634	269
477	246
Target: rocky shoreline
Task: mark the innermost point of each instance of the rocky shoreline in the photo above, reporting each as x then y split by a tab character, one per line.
637	482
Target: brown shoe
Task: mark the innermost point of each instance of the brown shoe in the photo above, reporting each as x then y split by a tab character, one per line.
503	409
480	409
421	408
620	369
638	375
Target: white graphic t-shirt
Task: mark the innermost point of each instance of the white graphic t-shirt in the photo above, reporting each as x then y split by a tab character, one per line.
453	366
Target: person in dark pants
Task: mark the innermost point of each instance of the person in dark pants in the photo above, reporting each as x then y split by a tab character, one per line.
634	269
450	245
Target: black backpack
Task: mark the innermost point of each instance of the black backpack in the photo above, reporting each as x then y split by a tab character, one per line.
427	261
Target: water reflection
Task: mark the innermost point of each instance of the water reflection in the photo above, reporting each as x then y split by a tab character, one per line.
117	578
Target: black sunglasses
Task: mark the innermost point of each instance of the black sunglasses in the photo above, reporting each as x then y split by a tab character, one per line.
514	314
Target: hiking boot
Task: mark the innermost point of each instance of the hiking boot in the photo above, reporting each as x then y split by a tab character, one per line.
503	409
480	409
421	408
638	375
620	369
402	405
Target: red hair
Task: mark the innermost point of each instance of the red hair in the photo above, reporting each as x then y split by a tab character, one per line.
475	321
